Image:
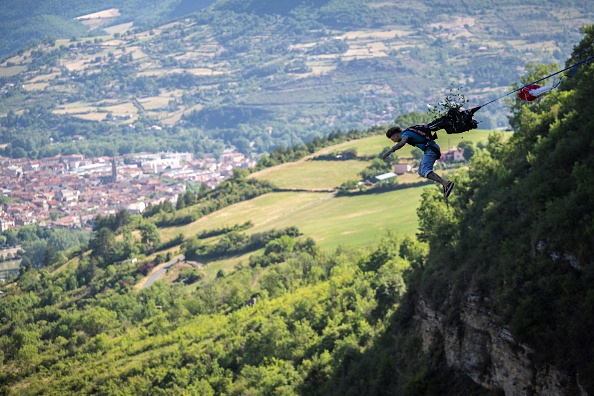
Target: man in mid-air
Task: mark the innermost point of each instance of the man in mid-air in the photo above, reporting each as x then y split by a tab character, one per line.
420	136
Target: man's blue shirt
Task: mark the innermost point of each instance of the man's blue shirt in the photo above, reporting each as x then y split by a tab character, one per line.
419	141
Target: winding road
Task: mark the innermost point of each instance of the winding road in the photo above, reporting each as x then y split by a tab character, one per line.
155	276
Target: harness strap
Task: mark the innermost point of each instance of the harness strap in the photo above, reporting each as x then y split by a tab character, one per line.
423	130
425	135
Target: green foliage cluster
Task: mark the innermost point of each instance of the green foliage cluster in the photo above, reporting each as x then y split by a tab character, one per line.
43	246
286	329
234	243
224	230
329	47
163	207
107	248
520	231
280	249
189	275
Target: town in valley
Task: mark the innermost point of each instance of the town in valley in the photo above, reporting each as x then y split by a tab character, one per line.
71	190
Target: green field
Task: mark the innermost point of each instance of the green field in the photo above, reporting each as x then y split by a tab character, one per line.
330	220
353	221
312	175
260	210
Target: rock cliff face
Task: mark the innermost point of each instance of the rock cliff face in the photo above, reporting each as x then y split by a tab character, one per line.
477	346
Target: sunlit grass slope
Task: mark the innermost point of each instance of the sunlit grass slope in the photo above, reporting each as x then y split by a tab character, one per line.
331	221
353	221
313	175
317	175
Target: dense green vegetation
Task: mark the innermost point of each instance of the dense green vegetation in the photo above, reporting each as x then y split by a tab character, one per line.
518	237
313	311
42	246
237	243
523	224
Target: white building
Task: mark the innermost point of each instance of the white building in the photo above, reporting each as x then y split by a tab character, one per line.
401	169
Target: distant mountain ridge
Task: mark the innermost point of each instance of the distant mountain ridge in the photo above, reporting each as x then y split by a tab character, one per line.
255	77
23	21
281	7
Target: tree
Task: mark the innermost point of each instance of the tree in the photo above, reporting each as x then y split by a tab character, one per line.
97	320
103	245
149	234
467	149
188	198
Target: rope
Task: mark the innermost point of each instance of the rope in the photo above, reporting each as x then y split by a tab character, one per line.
544	78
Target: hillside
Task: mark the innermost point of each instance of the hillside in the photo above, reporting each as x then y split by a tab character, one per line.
305	197
83	295
254	77
299	281
505	295
25	22
486	294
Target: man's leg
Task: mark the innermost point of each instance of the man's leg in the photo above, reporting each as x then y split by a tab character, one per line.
435	177
426	170
447	185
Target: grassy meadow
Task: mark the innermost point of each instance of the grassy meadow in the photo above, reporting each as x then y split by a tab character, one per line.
261	210
312	175
10	265
332	221
352	221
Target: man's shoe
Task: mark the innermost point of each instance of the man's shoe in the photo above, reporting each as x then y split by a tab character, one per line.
447	189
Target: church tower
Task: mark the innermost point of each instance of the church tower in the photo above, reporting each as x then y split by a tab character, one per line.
114	170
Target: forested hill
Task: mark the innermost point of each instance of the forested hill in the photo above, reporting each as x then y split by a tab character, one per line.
510	271
23	22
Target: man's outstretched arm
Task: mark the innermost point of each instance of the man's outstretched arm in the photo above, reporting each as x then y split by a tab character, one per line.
396	147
